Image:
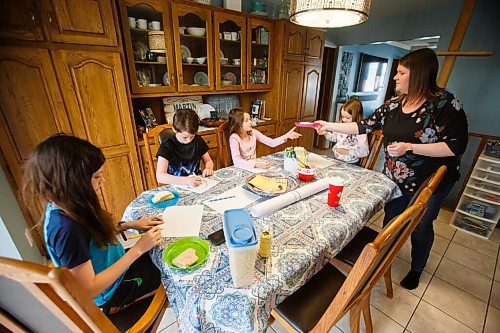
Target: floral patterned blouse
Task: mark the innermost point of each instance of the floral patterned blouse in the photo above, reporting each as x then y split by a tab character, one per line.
441	121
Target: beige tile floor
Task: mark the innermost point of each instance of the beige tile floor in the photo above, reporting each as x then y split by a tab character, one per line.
459	289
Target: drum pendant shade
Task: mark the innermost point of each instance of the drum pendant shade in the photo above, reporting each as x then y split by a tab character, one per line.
329	13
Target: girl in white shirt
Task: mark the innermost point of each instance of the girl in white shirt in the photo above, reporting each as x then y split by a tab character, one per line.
350	148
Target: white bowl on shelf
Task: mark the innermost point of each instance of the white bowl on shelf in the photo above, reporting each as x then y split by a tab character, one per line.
226	82
195	31
224	61
189	60
201	60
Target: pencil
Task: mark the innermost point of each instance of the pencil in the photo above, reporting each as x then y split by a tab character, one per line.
137	236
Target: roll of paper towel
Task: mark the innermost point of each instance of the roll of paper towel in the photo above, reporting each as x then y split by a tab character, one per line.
272	205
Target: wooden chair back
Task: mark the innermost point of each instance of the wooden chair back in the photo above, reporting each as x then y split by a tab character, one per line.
428	187
374	146
150	148
41	299
223	145
37	298
373	262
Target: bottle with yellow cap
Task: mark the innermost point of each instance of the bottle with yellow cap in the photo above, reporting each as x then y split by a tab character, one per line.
265	244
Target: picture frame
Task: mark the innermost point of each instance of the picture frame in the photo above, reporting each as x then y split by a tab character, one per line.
148	117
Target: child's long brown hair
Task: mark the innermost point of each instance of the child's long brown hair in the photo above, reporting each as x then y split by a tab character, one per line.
60	171
355	109
236	119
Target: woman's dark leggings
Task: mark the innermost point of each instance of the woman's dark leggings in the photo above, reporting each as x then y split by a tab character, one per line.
422	237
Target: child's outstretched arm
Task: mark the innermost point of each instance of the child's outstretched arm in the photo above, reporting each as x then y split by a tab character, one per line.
291	134
163	177
209	165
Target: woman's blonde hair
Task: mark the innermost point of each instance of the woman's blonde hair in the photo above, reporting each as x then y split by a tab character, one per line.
355	109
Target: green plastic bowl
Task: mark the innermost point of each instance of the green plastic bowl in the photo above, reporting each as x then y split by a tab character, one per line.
199	245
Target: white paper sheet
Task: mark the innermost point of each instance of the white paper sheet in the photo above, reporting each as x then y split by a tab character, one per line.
204	186
237	197
182	221
319	160
269	206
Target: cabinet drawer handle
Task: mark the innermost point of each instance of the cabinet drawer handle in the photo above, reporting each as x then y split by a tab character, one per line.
33	18
51	20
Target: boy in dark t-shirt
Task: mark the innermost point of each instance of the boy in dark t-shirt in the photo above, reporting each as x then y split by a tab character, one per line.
179	157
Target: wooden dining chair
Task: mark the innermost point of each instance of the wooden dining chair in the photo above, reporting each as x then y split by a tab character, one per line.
329	294
159	134
374	146
346	258
36	298
223	145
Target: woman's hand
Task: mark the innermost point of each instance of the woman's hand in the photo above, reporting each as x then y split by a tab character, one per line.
322	127
150	239
146	223
207	172
291	134
263	165
194	180
397	149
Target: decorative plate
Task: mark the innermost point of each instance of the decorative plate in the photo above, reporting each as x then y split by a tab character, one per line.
291	185
199	245
230	76
201	78
185	52
166	203
221	54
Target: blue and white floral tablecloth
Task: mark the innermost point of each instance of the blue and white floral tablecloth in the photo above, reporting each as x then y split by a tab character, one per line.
306	235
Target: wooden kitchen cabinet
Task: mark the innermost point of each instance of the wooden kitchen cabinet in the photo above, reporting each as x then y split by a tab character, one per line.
31	110
229	74
80	21
20	20
291	84
157	74
303	44
260	37
310	94
194	76
95	95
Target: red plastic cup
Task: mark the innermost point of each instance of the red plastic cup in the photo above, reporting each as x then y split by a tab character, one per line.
335	187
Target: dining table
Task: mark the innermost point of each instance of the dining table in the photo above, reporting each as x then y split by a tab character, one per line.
305	236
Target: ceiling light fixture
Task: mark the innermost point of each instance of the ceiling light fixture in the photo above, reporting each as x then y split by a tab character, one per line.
329	13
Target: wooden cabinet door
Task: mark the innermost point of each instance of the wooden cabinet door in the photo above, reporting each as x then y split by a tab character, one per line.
20	19
259	48
193	77
315	46
81	22
229	49
295	42
310	99
93	88
292	83
267	130
31	109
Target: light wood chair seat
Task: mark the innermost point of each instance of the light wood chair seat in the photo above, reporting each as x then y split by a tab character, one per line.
320	303
37	298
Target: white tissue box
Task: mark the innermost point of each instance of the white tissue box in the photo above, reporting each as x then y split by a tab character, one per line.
233	4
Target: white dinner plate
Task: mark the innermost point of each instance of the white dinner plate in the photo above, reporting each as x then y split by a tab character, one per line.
201	78
221	54
185	52
165	79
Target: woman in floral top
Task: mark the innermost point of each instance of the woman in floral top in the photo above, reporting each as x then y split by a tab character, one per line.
424	127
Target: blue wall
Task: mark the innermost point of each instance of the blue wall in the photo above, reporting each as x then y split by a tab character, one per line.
380	50
474	80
